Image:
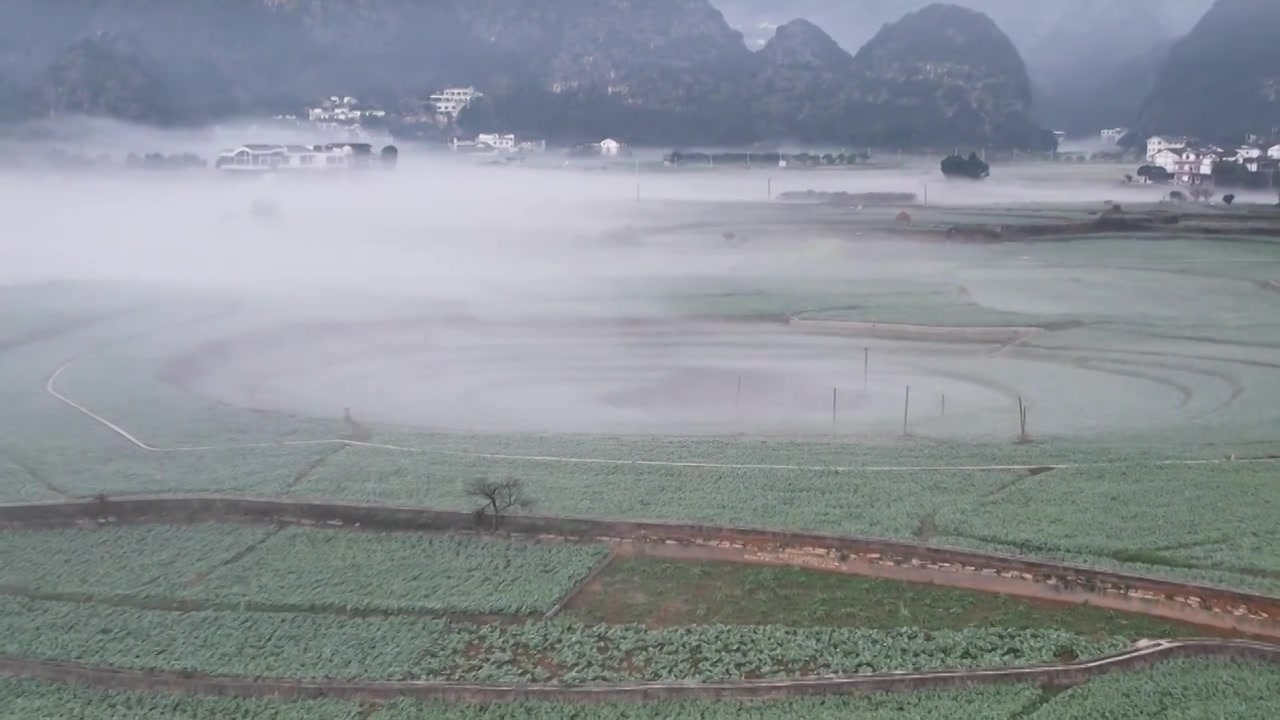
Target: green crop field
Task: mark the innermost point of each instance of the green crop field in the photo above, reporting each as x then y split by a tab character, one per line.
326	569
658	592
297	568
313	645
139	561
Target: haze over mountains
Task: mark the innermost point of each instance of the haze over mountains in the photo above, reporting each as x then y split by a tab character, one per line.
1091	62
664	72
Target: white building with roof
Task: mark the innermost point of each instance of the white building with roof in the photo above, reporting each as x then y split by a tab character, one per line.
452	101
1166	158
1111	136
1156	143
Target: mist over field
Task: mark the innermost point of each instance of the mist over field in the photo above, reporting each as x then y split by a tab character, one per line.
570	295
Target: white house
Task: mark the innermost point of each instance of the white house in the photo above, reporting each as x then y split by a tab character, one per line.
1195	165
609	146
254	157
486	142
497	141
1111	136
1156	143
1274	152
452	101
1167	158
1248	152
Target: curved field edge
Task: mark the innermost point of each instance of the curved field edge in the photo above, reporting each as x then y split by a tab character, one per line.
1061	675
1175	690
913	562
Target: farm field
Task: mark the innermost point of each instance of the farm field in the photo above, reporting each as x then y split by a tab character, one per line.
300	569
317	646
203	591
661	593
710	366
819	482
1177	691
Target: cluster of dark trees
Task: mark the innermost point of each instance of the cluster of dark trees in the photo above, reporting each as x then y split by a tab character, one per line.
1235	175
972	167
1154	174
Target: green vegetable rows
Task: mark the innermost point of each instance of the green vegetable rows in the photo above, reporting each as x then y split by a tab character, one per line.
1183	690
142	560
402	648
405	571
605	653
298	568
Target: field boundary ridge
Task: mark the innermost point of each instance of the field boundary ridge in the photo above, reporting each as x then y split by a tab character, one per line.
1061	675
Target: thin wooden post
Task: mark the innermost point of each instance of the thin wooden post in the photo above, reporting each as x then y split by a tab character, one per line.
1022	419
834	392
944	404
737	396
866	367
906	408
769	184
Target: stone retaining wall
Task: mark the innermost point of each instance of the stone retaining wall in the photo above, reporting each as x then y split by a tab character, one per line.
1065	675
915	562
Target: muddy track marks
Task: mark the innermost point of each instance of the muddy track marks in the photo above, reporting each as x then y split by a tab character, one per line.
1185	394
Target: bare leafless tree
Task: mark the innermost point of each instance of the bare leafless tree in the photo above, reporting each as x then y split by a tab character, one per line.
499	498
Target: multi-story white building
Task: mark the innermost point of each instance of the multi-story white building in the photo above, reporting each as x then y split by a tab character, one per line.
1167	158
1195	166
1156	143
452	101
1111	136
1273	152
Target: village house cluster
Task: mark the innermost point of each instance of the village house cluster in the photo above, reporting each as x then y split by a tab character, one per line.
264	157
1192	163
